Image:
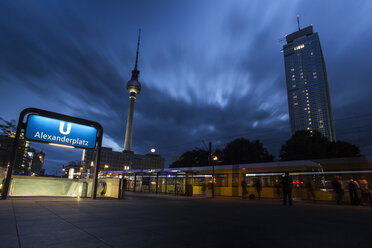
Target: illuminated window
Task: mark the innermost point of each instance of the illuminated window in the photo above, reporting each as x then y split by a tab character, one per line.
314	73
321	121
305	108
308	112
292	69
315	76
294	86
321	126
299	47
307	97
296	103
310	123
293	75
294	97
311	53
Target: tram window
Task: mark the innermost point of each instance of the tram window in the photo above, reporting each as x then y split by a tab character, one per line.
235	179
198	181
221	180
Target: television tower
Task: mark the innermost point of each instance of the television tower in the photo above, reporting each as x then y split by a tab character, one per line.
133	88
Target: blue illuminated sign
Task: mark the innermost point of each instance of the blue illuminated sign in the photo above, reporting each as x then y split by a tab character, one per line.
49	130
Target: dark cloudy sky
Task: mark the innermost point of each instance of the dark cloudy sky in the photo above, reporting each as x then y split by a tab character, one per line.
210	70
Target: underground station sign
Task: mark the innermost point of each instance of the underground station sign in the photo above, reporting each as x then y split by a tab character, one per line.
54	131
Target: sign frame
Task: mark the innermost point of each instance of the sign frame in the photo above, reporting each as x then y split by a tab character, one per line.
22	126
46	142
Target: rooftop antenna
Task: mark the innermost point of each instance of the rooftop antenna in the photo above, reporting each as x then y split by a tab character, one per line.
298	22
138	43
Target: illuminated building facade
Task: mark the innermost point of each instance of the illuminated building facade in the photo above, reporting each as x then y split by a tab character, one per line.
307	84
117	161
6	147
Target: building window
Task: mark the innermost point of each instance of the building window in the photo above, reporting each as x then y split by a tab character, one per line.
299	47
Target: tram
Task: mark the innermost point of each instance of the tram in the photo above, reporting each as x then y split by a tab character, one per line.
226	179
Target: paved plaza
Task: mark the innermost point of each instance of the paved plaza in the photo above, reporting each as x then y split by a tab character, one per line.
142	220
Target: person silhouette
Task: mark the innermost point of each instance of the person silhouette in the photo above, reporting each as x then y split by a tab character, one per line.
286	182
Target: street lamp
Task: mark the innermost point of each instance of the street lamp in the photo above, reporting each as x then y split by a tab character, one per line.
152	150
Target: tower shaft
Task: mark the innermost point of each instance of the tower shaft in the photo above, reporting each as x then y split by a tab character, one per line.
129	129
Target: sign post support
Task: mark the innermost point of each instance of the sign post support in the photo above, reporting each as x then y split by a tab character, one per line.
54	117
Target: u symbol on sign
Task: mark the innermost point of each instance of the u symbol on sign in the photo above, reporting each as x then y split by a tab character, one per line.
61	126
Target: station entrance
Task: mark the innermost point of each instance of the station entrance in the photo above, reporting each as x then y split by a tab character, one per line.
51	128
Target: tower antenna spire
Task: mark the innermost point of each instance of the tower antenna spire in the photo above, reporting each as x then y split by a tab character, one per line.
298	22
138	44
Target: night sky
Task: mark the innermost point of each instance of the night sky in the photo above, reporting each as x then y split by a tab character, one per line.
210	70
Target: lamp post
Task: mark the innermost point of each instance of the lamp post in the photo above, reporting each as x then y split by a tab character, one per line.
211	164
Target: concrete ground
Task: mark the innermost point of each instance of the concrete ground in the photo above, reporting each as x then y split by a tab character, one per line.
143	220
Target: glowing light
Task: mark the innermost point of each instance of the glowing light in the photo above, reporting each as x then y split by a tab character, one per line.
299	47
59	145
152	150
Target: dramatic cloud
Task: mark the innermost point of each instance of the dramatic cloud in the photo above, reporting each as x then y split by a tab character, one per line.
210	70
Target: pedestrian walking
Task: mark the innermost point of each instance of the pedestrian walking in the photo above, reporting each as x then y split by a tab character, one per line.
244	189
258	187
310	190
353	192
363	183
286	182
337	189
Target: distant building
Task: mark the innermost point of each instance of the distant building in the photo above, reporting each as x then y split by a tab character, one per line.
307	84
36	162
6	145
122	160
73	170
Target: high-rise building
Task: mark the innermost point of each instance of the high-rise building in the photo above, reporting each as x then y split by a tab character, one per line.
307	84
6	146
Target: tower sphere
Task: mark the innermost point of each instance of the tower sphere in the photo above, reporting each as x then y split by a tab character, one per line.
133	86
